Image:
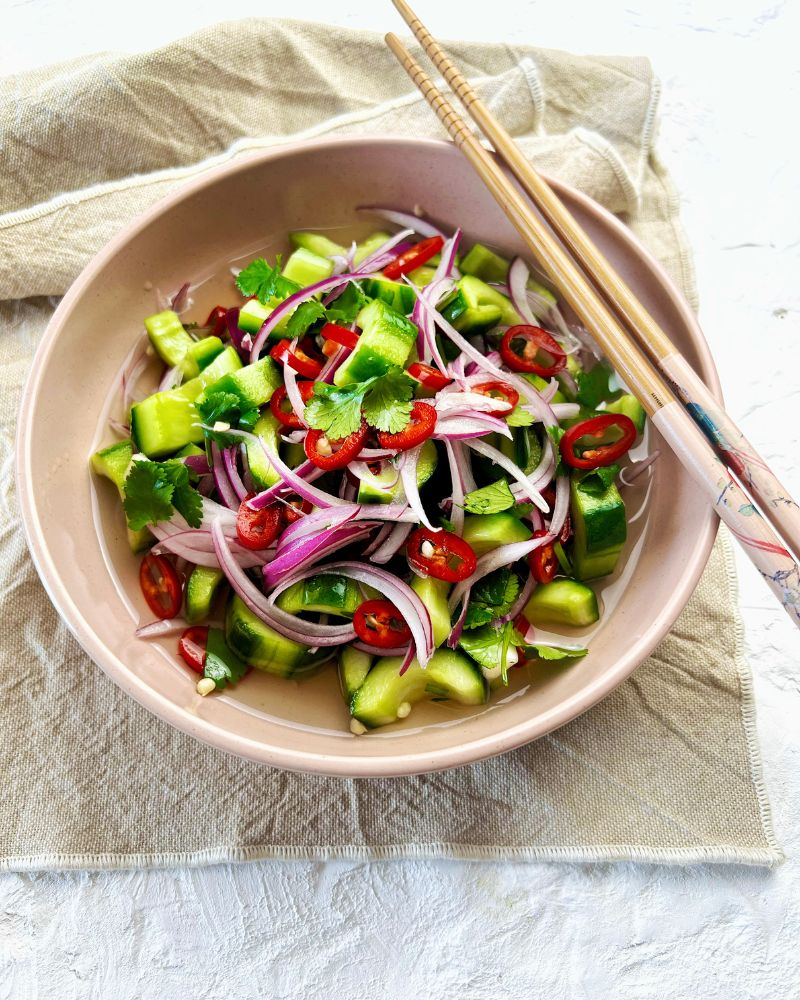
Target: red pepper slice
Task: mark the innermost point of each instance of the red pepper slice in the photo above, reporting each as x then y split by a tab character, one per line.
256	529
339	335
327	454
160	585
413	258
294	508
216	321
499	390
527	348
428	376
380	624
440	554
298	359
192	647
421	425
543	561
281	409
597	427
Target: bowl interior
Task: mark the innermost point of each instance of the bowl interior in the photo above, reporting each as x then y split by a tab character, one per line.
76	528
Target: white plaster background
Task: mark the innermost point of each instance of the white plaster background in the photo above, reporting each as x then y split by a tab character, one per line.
398	930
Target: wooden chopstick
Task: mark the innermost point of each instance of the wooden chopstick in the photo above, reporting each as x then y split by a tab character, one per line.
773	561
728	440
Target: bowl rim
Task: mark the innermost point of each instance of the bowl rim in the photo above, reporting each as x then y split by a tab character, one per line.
337	765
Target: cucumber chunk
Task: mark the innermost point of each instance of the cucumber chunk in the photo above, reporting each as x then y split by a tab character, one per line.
398	295
353	669
202	588
166	421
383	695
433	594
113	462
316	243
485	532
222	664
630	407
326	593
264	475
259	645
369	245
253	384
386	340
385	486
307	268
483	263
600	527
202	352
562	602
171	341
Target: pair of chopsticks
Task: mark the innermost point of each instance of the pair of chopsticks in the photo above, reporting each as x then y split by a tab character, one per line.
705	439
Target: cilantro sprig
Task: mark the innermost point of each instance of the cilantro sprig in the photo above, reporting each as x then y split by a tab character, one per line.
155	490
490	499
224	407
492	598
384	401
265	282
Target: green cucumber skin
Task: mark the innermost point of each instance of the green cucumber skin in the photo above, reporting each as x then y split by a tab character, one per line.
448	675
433	594
485	532
317	243
562	602
386	340
202	589
324	593
264	475
600	525
113	462
307	268
259	645
354	665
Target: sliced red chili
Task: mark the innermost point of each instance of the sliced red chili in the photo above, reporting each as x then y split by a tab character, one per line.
440	554
413	258
216	321
543	561
339	335
527	348
192	647
281	408
421	424
160	585
380	624
499	390
582	456
294	508
298	359
428	376
327	454
256	529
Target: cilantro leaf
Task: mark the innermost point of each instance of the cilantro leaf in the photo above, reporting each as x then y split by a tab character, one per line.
384	399
335	409
219	406
596	481
303	317
265	282
520	416
387	401
492	597
546	652
490	499
522	510
489	646
593	386
348	305
154	489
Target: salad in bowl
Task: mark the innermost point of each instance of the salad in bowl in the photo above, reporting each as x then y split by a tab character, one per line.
395	459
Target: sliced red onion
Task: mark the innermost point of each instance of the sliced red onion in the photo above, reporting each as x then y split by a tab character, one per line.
408	659
522	599
197	546
408	475
457	492
221	480
536	519
568	382
119	428
213	511
394	589
165	626
292	392
564	411
464	463
376	454
294	437
461	428
236	335
334	362
405	219
530	485
130	378
518	275
448	257
229	456
374	262
427	348
361	471
181	300
466	402
632	472
458	626
197	463
310	549
379	539
304	632
365	647
171	379
561	506
318	520
393	542
503	555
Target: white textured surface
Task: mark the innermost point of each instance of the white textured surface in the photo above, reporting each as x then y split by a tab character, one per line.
443	930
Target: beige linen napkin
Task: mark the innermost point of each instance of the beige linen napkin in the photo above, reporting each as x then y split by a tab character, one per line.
665	769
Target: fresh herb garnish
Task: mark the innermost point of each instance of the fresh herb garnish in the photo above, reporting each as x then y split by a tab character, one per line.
155	490
596	481
489	646
490	499
492	597
348	305
593	386
546	652
306	314
224	407
384	401
520	416
265	282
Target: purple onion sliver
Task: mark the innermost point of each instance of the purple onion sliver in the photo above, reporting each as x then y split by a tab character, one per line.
393	543
365	647
221	480
197	463
180	300
162	627
229	456
405	219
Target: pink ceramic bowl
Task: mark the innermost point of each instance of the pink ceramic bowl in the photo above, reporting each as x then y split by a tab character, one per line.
90	575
